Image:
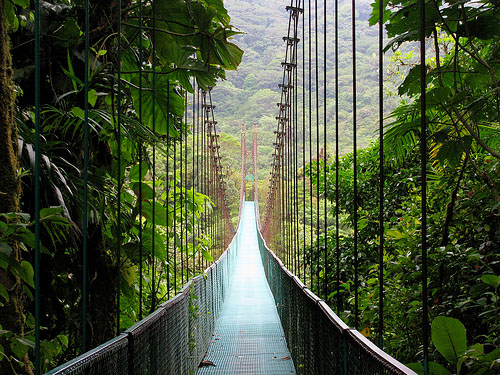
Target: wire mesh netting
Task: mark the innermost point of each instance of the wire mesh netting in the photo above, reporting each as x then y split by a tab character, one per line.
170	341
109	358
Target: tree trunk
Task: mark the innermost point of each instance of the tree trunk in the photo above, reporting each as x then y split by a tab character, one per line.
11	313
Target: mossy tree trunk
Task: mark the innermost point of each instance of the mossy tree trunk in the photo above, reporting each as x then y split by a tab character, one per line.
11	312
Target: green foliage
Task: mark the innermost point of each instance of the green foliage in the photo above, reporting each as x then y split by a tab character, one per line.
191	43
449	338
459	105
463	264
15	231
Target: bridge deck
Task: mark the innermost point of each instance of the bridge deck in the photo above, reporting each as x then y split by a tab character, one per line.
248	337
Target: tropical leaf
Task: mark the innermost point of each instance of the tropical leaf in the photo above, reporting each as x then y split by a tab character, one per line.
449	338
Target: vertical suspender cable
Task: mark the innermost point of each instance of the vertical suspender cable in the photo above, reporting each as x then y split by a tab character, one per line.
184	187
214	190
210	180
355	166
423	156
85	182
317	141
310	144
207	174
181	198
289	173
198	187
185	190
296	143
337	212
153	209
174	242
119	178
326	269
304	141
285	182
283	193
193	132
37	188
287	185
139	143
167	178
291	121
291	94
208	216
381	172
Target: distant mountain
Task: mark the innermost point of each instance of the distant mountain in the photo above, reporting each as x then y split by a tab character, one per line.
249	95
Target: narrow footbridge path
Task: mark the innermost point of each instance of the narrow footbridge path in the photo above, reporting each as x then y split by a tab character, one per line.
248	337
247	314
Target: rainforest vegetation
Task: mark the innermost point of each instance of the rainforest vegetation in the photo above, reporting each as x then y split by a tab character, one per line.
133	161
136	122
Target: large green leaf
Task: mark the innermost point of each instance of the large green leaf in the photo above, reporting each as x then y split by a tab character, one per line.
202	16
449	338
68	33
159	248
449	152
160	215
222	15
187	65
27	273
22	3
175	10
485	26
134	174
374	18
19	347
3	292
147	190
434	368
492	280
411	84
166	99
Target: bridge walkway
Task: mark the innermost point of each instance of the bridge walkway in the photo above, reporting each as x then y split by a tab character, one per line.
248	337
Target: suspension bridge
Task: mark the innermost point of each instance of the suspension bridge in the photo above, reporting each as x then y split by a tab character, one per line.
219	296
247	313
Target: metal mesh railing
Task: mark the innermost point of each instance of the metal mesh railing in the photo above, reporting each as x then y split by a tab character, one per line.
320	343
170	341
109	358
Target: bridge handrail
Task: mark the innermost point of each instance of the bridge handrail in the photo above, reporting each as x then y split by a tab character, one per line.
116	347
331	346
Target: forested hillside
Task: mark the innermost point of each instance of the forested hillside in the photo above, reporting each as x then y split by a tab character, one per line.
249	95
